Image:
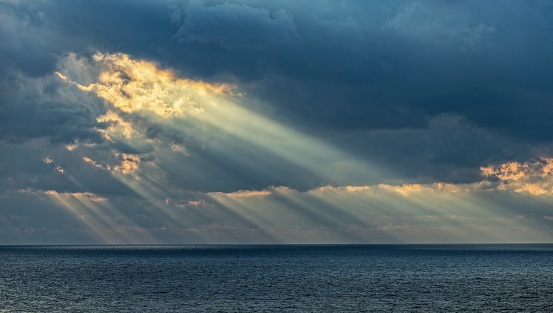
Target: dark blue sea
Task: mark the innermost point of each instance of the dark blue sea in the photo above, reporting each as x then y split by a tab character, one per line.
277	278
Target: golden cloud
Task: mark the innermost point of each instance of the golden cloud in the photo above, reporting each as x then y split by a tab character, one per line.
533	177
129	163
79	195
249	193
137	85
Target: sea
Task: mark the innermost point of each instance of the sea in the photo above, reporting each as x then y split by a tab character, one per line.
277	278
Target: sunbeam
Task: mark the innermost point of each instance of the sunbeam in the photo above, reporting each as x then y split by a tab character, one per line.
181	136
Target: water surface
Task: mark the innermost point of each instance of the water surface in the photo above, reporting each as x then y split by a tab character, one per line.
277	278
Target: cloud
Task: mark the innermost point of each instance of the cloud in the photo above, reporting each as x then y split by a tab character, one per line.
20	27
249	193
233	26
450	149
397	213
45	107
88	196
150	111
399	105
132	86
440	24
317	65
532	177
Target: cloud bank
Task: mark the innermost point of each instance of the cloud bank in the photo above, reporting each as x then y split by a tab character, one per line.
281	121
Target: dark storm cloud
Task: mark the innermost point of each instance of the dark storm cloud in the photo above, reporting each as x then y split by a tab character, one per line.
450	149
20	28
362	119
32	108
387	70
234	26
397	66
361	65
356	64
34	102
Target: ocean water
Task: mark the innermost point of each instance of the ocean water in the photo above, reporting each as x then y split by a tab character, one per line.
277	278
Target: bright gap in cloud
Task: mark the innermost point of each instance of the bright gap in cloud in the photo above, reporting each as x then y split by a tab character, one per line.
138	93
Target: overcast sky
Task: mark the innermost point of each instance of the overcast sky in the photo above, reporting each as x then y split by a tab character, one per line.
276	121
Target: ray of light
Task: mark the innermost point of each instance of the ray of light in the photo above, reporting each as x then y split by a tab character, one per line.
422	214
319	158
138	86
139	91
72	205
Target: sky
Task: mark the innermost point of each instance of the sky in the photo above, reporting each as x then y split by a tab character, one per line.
176	122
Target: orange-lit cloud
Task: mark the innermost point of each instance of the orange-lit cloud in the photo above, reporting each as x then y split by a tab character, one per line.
436	212
118	128
138	94
80	195
249	193
401	189
533	177
513	171
137	85
89	160
47	160
129	163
